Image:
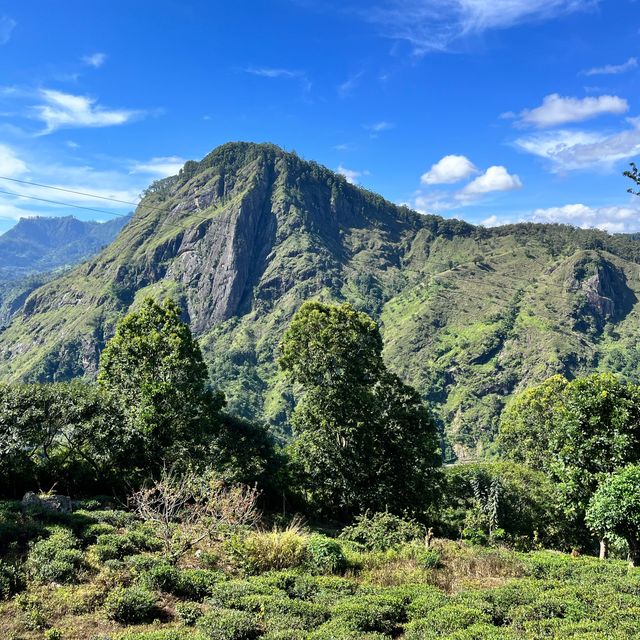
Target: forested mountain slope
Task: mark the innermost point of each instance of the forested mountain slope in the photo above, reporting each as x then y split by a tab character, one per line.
242	238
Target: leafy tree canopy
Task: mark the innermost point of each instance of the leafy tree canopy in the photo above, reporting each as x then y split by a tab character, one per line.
363	438
615	509
154	366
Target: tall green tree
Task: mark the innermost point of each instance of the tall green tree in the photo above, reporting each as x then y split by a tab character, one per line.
525	423
154	367
363	438
615	509
577	432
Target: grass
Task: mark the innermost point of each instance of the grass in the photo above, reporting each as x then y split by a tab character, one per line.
258	584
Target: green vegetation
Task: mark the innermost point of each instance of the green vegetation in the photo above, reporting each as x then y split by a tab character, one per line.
363	439
212	527
469	316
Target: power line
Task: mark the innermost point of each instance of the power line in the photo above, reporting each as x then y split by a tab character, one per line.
79	193
65	204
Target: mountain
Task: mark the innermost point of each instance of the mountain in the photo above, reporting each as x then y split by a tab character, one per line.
469	315
38	244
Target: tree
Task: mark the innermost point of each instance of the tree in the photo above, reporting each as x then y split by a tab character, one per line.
525	423
154	366
577	432
615	509
363	438
635	176
69	434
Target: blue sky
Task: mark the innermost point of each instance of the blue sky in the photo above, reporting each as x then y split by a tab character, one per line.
489	110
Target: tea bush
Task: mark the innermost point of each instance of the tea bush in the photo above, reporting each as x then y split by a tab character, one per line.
131	605
228	624
382	531
56	558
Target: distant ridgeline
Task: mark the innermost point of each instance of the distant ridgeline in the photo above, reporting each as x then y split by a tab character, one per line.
35	247
469	315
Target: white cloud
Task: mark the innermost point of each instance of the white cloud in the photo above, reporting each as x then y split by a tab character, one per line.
10	164
346	87
270	72
495	178
572	150
7	25
381	126
611	218
95	60
160	167
612	69
351	175
558	110
450	169
64	110
436	25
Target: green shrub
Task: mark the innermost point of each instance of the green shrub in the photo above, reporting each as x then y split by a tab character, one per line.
160	577
33	611
324	555
428	601
429	558
53	634
188	612
382	531
474	536
56	558
301	613
11	579
275	550
228	624
112	546
91	532
114	517
230	594
380	613
197	584
131	605
446	619
340	630
164	634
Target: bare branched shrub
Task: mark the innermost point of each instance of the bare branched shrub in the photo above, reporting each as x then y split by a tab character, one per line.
186	508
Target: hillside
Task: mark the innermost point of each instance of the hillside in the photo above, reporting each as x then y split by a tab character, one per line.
243	237
38	244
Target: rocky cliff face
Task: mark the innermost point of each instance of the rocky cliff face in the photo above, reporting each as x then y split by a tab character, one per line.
243	237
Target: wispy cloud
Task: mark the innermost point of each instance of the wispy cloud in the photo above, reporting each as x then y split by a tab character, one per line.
558	110
436	25
351	175
450	169
63	110
346	87
7	25
271	72
571	150
160	167
612	69
10	164
280	72
95	60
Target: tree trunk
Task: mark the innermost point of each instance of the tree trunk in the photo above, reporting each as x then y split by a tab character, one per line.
634	552
604	548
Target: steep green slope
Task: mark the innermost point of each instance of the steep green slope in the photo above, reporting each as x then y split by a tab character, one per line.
243	237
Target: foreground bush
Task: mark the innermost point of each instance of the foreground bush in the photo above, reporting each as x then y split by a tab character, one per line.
382	531
131	605
56	558
324	555
228	624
